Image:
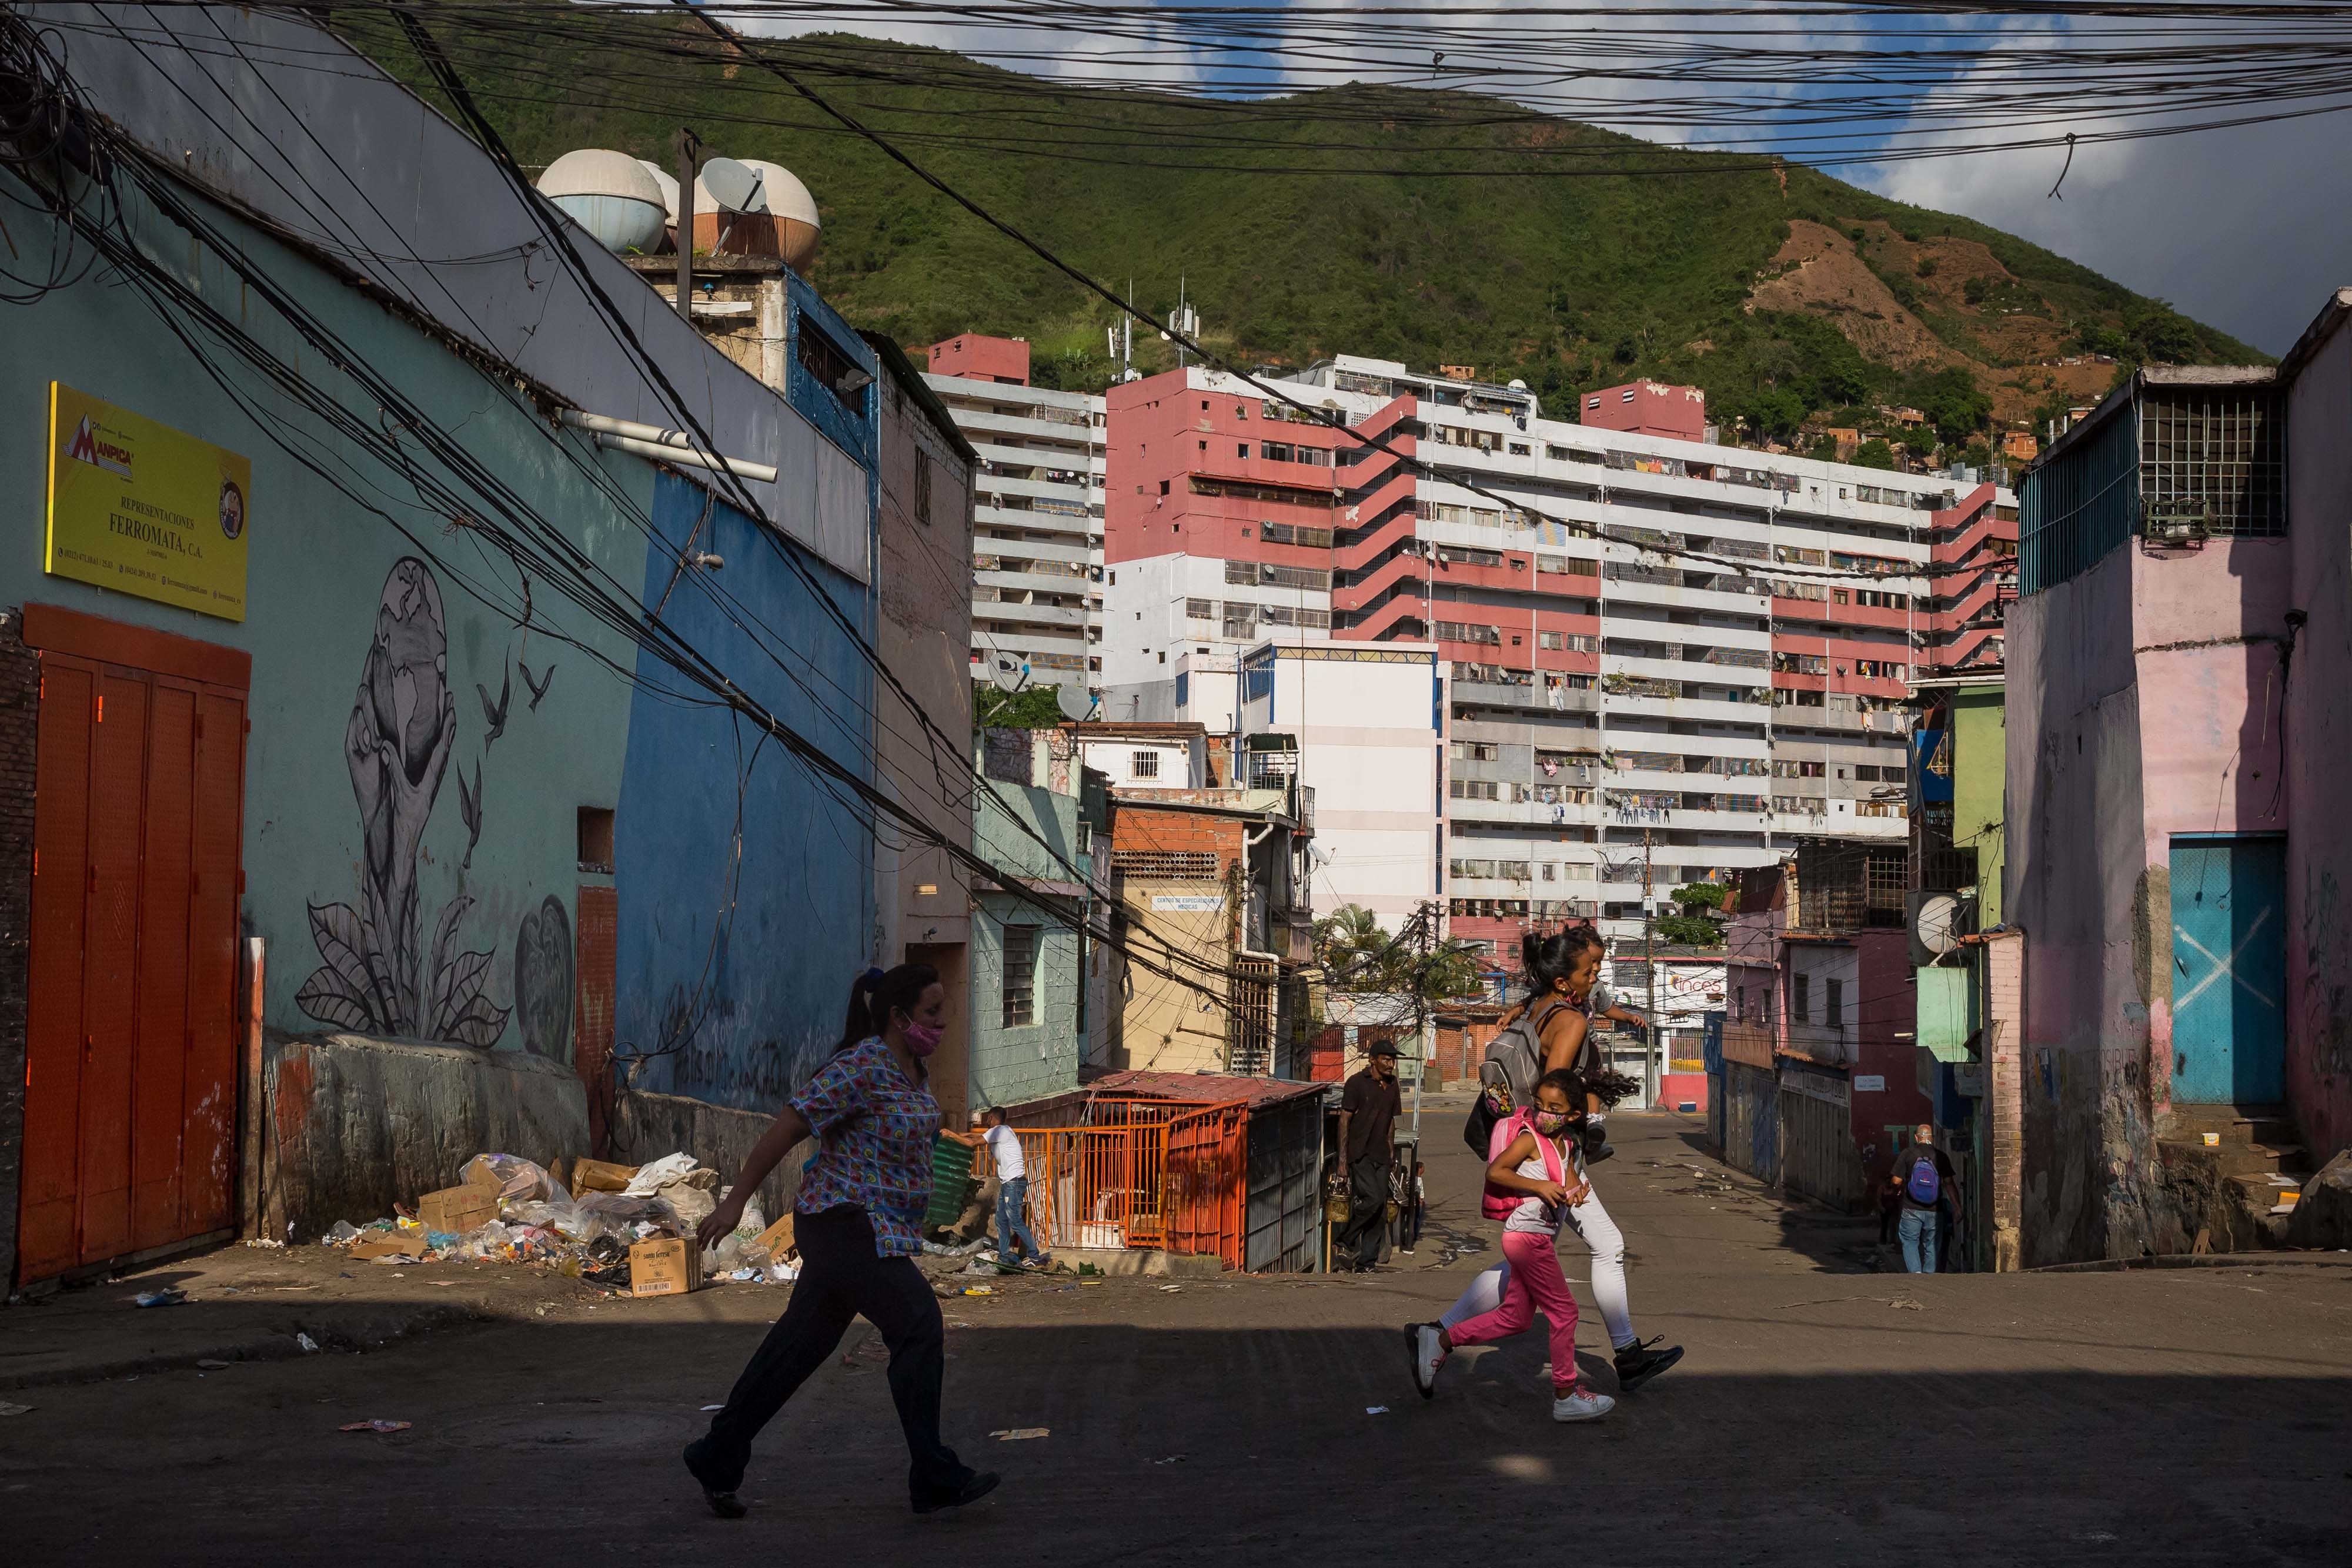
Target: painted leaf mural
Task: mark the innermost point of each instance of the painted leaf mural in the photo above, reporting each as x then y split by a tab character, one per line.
397	747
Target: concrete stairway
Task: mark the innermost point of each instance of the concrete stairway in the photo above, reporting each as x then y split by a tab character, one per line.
2256	1144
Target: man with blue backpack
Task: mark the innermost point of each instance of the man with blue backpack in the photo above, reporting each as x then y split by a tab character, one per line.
1923	1175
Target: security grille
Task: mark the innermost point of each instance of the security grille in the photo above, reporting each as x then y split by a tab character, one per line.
1020	975
1167	865
2216	459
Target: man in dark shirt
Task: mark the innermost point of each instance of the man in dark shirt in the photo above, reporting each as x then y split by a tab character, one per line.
1368	1113
1922	1218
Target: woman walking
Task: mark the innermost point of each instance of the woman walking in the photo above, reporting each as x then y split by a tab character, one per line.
1561	970
859	1221
1532	1183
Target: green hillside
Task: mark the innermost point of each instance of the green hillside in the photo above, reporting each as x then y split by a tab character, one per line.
1781	291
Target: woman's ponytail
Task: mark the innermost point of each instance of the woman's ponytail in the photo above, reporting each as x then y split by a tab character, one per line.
873	996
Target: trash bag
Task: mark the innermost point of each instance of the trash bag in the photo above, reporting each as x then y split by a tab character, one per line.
558	1214
619	1216
654	1176
518	1180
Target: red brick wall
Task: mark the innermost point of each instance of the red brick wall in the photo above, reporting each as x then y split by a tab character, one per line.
1143	831
596	964
2004	1084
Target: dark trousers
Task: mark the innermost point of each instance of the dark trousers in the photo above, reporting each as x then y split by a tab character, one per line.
841	1276
1368	1209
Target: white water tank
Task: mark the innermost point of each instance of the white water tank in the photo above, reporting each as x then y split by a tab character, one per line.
609	194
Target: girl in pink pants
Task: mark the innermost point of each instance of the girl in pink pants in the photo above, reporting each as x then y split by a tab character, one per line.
1531	1184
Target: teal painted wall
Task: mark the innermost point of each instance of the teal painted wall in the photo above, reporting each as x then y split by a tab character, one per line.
321	562
1012	1064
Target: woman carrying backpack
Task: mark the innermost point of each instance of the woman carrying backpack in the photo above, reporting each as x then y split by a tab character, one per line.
1561	970
1532	1184
859	1216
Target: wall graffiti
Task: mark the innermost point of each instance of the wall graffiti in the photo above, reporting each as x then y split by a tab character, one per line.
397	747
543	980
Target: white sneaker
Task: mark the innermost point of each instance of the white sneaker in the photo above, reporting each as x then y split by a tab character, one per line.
1427	1352
1582	1406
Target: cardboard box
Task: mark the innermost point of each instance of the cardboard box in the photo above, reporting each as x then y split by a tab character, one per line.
457	1209
664	1267
778	1238
600	1176
389	1244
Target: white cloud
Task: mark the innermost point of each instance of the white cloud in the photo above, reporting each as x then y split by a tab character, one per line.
2247	229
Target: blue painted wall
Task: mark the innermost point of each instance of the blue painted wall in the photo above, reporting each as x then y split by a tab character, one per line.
732	979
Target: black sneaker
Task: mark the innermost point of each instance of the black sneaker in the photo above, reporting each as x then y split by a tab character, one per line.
1637	1363
972	1490
1596	1146
724	1503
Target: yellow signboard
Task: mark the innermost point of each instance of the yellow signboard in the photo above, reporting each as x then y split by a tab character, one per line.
141	508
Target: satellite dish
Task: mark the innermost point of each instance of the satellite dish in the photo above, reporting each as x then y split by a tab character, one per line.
730	186
1008	670
1074	702
1937	925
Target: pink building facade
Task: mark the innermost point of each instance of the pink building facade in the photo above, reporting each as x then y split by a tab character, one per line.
2175	830
1648	408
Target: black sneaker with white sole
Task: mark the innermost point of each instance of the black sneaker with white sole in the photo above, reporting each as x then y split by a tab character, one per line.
1638	1362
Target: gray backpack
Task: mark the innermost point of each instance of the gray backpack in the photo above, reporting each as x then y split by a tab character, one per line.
1507	1077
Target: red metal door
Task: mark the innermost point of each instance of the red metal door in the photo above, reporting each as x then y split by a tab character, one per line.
109	993
131	1111
208	1147
48	1233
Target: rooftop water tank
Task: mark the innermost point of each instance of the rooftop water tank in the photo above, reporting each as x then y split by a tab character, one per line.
609	194
778	217
669	183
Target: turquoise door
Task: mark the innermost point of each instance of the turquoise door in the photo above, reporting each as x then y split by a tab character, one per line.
2229	971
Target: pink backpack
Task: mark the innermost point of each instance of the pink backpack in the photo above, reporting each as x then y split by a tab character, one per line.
1494	1202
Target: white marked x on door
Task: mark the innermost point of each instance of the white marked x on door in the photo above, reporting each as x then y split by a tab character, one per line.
2222	965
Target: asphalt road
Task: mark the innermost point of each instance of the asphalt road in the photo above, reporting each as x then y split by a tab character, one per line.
1824	1413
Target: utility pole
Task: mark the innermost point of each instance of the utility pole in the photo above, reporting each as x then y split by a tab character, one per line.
1650	964
688	148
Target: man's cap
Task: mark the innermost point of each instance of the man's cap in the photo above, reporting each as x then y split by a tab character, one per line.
1380	1047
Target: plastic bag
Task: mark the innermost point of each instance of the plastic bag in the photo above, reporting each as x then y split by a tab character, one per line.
517	1179
652	1177
343	1231
560	1215
620	1215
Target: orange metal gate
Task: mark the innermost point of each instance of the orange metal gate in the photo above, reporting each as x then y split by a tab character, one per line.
1172	1179
131	1087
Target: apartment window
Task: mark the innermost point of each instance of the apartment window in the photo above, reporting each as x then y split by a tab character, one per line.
1020	975
923	491
1143	765
1802	1005
1552	640
1475	751
1835	1016
1242	448
1200	609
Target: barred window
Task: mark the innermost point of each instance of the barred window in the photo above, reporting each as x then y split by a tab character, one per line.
1020	975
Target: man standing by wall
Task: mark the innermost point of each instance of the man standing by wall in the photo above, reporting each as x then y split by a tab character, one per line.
1925	1175
1368	1113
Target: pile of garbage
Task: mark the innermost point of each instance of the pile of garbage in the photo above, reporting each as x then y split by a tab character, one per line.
508	1210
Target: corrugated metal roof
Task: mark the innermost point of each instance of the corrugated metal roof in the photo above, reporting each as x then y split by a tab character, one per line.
1213	1088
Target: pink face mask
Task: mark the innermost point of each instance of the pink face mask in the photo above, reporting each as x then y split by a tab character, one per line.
923	1039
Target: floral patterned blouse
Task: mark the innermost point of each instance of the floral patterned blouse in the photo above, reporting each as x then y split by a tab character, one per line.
875	1133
